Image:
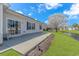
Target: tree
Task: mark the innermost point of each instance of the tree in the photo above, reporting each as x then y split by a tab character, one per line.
57	21
75	25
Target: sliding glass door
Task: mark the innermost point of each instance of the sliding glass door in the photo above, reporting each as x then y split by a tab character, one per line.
14	27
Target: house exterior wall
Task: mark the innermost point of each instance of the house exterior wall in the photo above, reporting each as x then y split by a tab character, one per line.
15	18
6	14
24	21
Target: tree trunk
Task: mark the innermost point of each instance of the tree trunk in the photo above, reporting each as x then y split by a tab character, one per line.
56	29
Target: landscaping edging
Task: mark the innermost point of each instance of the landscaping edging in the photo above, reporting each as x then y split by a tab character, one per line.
41	47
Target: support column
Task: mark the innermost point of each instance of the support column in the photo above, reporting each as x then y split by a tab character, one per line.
1	23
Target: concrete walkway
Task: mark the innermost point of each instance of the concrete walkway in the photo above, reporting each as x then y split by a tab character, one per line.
28	45
18	40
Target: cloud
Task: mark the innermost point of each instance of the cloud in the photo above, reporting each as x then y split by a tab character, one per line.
73	17
46	21
35	19
47	6
19	11
73	13
41	8
33	9
29	14
74	10
52	5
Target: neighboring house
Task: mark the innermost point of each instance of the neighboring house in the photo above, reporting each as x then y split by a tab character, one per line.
73	28
14	24
70	28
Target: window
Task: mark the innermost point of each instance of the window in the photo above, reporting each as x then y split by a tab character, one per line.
10	23
28	26
33	26
14	27
40	27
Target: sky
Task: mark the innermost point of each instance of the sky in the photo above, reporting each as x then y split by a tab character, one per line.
41	11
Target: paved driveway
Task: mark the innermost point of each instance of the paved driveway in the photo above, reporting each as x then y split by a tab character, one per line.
17	40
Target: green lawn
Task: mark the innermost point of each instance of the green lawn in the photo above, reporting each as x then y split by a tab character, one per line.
63	45
75	31
10	52
72	31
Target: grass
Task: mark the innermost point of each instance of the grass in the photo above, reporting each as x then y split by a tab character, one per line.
72	31
63	45
10	52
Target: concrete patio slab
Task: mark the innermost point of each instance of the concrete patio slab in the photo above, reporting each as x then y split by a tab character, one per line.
8	44
17	40
28	45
